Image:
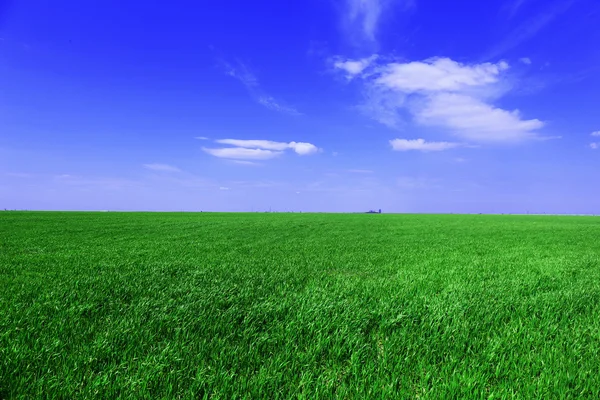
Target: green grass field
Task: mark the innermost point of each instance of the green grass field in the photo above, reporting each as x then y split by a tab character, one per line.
314	306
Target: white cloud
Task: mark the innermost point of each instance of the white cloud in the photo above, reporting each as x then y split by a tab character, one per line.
300	148
595	145
437	74
241	153
444	93
473	119
303	149
525	60
162	167
421	145
249	80
201	138
597	133
223	188
249	144
354	67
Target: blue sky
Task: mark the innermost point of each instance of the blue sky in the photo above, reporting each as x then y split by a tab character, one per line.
320	105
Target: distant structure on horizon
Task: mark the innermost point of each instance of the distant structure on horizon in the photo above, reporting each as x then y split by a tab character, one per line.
374	212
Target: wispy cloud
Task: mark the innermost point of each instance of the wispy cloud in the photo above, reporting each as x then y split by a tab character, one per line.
201	138
529	28
513	7
525	60
382	105
250	81
90	183
241	73
97	182
162	167
258	149
361	18
546	138
242	162
595	145
596	133
444	93
421	145
366	13
241	153
353	67
360	171
275	105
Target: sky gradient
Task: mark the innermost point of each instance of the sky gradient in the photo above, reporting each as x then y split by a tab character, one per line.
319	105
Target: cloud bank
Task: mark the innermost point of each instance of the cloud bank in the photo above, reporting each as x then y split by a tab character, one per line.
442	93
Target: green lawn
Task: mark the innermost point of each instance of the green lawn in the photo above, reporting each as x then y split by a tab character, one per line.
202	305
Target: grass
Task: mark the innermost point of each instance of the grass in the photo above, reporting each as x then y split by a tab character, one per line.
312	306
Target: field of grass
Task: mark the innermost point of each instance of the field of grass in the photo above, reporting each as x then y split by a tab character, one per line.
313	306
